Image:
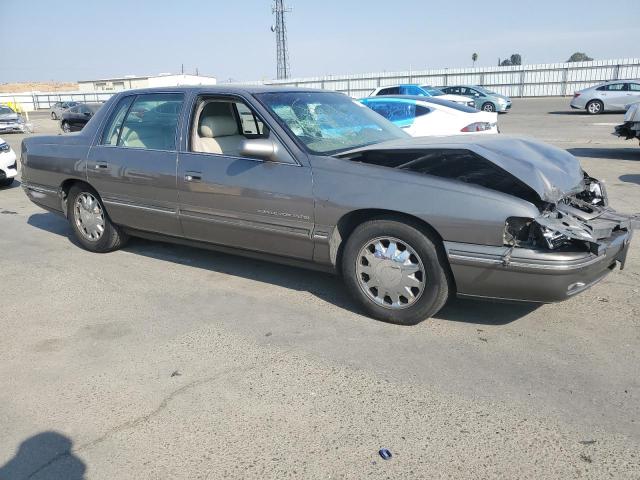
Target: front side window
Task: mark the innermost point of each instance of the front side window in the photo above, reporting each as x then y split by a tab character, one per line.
150	122
221	126
634	87
328	123
413	90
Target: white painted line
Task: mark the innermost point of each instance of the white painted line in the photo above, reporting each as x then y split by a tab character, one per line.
607	124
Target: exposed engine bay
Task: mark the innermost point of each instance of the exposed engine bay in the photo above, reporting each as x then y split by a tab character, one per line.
578	219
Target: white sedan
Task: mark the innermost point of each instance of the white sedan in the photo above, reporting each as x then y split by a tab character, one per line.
428	117
421	91
8	164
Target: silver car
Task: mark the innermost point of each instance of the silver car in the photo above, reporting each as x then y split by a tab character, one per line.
314	178
607	97
59	108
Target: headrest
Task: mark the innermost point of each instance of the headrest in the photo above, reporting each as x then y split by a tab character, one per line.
218	127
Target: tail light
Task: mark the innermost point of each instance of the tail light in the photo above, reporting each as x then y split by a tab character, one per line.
576	95
478	127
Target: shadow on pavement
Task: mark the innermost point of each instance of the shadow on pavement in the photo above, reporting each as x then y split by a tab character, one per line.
485	312
630	178
16	183
609	153
323	285
45	455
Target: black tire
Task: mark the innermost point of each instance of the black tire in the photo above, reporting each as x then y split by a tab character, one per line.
594	107
6	182
488	107
65	127
436	286
54	116
112	237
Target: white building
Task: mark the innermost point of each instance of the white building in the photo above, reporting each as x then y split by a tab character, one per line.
133	81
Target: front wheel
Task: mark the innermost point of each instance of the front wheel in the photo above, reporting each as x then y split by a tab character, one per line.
397	271
489	107
90	222
65	127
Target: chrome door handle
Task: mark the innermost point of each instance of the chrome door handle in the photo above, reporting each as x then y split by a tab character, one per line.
101	165
193	176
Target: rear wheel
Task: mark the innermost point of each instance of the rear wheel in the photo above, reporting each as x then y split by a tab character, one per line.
65	127
594	107
6	182
488	107
396	271
90	222
54	116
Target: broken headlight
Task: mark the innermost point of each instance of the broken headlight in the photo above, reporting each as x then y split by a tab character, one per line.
517	231
553	239
525	232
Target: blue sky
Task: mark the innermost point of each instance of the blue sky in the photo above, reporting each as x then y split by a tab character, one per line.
85	39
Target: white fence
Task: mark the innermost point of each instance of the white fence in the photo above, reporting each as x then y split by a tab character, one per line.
37	100
552	79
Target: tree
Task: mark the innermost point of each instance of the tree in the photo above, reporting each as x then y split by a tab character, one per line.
514	59
579	57
474	58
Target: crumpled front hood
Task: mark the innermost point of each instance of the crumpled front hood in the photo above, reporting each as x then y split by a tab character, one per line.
551	172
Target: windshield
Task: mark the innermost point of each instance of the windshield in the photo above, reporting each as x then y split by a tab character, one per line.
329	123
433	91
6	111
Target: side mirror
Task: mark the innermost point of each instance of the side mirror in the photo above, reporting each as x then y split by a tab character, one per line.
261	148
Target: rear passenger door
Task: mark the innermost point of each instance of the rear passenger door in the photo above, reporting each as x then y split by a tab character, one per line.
132	164
230	199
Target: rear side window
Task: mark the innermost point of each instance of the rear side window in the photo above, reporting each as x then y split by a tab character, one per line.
390	91
112	131
614	87
634	87
150	122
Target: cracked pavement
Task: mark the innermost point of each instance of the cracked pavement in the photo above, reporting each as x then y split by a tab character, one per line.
279	376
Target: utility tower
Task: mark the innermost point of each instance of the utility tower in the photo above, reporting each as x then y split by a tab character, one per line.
280	29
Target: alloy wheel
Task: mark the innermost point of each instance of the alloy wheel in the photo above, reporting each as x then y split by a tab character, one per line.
390	272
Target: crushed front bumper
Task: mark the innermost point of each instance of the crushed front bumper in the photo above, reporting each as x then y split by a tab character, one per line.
532	275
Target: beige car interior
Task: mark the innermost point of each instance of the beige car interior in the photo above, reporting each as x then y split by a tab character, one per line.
217	130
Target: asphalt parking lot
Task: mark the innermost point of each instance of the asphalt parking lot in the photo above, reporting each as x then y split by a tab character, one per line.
163	361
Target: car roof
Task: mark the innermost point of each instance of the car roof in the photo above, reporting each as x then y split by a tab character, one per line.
238	89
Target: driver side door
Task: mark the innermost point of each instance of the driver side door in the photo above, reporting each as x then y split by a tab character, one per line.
231	199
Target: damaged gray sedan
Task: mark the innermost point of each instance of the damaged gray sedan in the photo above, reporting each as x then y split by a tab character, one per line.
312	178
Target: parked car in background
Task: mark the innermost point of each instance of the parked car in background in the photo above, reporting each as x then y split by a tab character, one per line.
59	108
607	97
436	92
631	126
11	121
484	99
430	116
416	90
315	178
75	118
8	164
